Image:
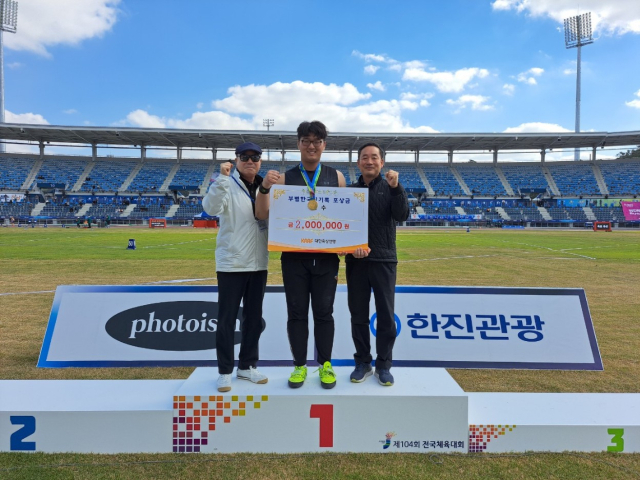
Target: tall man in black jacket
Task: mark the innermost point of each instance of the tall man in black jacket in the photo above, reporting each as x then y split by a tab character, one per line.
375	267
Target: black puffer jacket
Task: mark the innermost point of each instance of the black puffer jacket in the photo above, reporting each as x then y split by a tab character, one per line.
386	207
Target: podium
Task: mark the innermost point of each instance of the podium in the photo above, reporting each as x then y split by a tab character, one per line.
425	410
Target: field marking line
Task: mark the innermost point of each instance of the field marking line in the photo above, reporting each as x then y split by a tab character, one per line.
26	293
446	258
179	243
183	280
551	249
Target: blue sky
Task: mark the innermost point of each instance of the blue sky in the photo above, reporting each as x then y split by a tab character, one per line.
359	66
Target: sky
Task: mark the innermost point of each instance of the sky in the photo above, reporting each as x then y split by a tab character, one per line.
455	66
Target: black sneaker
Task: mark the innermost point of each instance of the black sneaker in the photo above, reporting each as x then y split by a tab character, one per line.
361	372
384	377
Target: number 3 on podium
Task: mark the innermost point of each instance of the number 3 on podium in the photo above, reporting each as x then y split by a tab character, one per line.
325	414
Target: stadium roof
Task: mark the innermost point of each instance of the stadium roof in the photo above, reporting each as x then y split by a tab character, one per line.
341	141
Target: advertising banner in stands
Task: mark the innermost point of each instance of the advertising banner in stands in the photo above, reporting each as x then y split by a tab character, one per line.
453	327
631	211
11	197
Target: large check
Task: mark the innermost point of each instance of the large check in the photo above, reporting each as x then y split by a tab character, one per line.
336	222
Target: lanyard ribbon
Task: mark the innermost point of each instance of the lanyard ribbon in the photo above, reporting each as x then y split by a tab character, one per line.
245	192
311	184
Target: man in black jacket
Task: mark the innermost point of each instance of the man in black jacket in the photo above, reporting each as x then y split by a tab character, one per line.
375	267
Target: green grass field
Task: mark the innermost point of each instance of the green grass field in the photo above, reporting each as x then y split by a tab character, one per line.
607	265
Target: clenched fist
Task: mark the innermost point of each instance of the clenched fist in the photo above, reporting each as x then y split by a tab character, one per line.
225	168
271	178
392	178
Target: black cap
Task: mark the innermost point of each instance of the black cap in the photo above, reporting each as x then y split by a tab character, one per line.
245	147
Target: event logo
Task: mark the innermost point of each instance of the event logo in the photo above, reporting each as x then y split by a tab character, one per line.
373	325
171	326
389	436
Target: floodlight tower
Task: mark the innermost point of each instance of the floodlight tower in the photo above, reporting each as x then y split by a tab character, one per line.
577	32
268	122
8	23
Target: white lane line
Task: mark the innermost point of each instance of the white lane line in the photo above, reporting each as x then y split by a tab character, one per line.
183	280
179	243
27	293
552	250
446	258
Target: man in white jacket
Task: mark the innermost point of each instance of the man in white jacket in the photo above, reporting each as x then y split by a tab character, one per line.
241	263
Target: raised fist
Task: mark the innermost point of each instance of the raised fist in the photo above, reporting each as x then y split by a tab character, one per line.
271	178
225	168
392	178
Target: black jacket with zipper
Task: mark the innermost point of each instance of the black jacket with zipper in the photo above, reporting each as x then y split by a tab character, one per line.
386	207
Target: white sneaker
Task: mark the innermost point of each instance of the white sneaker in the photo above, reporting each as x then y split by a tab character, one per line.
252	374
224	382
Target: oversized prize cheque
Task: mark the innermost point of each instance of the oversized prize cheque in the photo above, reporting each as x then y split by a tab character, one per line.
334	219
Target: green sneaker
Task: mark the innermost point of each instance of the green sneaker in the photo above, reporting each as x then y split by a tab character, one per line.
298	377
327	376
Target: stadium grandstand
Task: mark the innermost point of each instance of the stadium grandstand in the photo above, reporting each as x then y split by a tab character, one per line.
52	189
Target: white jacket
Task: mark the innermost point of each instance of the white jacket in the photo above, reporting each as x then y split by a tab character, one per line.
241	245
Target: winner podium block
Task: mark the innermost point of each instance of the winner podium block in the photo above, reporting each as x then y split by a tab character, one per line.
425	411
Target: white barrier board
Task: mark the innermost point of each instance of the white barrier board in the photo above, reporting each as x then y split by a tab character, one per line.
458	327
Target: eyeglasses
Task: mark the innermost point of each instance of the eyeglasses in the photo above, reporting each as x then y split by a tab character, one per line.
306	142
246	158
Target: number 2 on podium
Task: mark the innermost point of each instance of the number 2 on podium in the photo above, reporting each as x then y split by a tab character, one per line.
325	414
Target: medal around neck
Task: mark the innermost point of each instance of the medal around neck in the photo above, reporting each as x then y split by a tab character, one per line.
312	204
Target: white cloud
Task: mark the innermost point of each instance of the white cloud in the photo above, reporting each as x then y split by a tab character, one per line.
253	99
613	16
569	71
14	65
35	118
376	86
421	98
476	102
417	64
44	23
370	57
528	77
200	105
340	107
634	103
445	81
537	127
70	111
143	119
371	69
508	89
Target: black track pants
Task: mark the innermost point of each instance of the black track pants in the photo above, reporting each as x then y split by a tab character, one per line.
362	276
314	279
232	288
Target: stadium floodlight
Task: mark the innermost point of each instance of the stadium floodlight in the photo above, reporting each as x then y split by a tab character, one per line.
8	23
577	32
9	15
268	122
